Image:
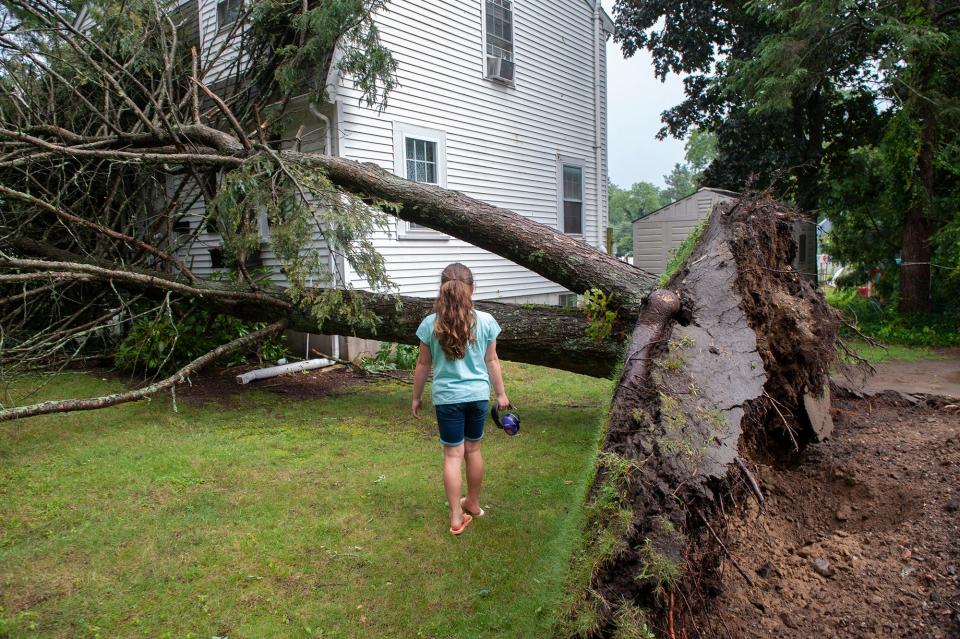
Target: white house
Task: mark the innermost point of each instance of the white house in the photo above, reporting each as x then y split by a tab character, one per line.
504	100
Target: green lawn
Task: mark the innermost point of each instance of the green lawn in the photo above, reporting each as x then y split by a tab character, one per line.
268	517
879	354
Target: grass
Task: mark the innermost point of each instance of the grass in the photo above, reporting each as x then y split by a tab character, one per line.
267	517
878	355
679	255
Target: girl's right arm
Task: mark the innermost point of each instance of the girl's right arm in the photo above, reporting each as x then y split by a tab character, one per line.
420	375
496	376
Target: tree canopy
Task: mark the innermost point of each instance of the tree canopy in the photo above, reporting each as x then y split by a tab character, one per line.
848	109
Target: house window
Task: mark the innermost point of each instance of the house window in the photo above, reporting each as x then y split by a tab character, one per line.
420	155
498	40
571	186
217	259
568	300
500	29
421	160
228	12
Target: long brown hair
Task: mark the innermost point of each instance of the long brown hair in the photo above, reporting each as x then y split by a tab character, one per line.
455	326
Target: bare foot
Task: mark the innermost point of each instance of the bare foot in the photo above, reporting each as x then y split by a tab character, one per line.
456	518
472	508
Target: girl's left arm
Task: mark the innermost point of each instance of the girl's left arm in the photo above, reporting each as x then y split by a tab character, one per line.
420	375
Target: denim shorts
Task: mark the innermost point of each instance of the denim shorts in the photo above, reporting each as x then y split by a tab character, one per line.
460	422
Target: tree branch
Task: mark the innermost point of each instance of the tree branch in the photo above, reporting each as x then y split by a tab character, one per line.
69	217
93	403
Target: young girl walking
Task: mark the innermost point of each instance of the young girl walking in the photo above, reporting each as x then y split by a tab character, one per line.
459	344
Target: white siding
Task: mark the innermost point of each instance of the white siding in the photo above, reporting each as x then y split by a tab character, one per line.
216	56
502	142
604	165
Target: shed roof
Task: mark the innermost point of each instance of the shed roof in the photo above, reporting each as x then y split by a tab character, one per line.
723	192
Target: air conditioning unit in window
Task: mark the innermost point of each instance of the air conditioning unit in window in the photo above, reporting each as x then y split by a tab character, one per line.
500	68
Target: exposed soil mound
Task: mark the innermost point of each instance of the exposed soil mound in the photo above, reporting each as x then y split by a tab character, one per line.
862	539
735	374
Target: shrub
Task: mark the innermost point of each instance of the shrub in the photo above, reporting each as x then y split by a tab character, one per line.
392	357
884	323
180	333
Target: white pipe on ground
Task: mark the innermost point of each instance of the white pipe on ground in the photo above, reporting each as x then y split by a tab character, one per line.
267	373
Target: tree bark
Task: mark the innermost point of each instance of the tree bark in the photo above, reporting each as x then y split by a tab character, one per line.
542	335
541	248
919	226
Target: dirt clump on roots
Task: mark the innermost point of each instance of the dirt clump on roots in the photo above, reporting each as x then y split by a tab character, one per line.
796	327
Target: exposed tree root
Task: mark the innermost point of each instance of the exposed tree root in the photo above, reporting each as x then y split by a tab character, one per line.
729	378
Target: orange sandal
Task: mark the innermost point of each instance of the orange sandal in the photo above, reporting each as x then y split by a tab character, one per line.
466	522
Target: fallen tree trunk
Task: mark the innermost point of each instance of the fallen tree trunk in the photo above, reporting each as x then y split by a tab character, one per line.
704	394
542	249
542	335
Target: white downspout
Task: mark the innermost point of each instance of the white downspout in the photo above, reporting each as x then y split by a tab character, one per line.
328	129
598	133
328	149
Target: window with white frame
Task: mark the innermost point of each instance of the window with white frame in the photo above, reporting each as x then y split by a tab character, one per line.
568	300
420	155
498	40
500	29
421	160
228	12
571	198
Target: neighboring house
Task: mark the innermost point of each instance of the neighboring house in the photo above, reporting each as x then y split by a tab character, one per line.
657	235
502	100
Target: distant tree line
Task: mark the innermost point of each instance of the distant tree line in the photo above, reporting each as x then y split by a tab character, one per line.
630	204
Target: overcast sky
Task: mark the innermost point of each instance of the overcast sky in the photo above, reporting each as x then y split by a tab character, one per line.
635	100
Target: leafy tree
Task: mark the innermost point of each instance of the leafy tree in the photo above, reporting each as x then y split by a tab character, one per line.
700	150
798	91
681	182
627	205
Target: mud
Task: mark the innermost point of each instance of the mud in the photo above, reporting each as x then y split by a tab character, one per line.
218	385
925	377
878	504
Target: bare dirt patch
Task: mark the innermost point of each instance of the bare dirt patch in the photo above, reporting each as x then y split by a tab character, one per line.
925	377
216	385
213	386
861	539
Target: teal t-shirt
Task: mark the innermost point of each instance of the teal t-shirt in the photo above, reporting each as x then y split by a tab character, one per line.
461	380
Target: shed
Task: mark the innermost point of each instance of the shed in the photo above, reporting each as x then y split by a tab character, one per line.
657	235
